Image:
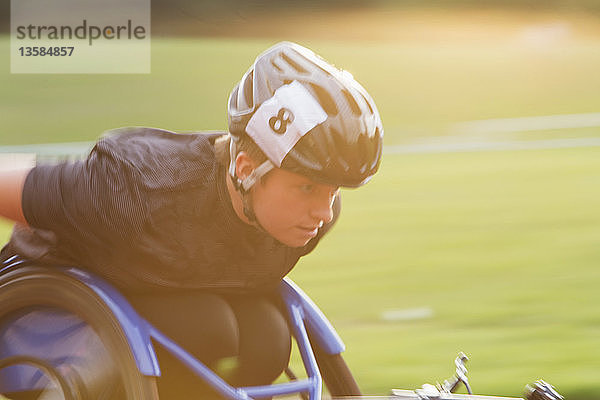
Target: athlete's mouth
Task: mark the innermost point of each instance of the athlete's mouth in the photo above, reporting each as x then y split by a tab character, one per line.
310	230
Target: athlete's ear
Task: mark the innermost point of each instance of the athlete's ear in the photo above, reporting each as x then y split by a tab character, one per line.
244	165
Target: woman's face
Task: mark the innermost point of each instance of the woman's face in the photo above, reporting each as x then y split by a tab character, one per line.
291	207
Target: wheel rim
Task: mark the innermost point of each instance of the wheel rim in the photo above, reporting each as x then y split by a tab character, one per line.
89	347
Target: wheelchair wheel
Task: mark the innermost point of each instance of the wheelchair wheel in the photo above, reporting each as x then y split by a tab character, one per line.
60	327
336	375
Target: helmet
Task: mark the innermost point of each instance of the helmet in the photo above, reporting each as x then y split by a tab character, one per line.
307	117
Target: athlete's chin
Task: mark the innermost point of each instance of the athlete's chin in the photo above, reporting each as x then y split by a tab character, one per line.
293	237
294	241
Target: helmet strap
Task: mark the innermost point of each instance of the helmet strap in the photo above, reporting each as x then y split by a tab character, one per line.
249	210
255	175
243	186
248	207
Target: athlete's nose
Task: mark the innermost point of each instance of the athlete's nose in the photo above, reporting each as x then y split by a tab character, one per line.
322	208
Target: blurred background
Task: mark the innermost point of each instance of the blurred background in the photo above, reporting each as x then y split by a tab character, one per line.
481	232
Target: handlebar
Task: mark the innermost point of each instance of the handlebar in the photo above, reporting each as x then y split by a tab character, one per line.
538	390
427	393
399	394
430	392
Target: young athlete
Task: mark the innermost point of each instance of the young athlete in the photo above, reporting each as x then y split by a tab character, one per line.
197	230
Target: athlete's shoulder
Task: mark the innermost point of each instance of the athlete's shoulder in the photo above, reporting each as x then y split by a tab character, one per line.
136	144
147	137
164	158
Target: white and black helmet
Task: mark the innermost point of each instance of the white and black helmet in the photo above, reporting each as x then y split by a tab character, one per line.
307	117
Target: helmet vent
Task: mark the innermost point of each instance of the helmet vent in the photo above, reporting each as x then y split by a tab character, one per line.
276	66
368	103
294	64
352	102
271	90
247	89
375	160
325	100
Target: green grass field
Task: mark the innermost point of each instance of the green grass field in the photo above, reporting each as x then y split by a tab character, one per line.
502	247
421	81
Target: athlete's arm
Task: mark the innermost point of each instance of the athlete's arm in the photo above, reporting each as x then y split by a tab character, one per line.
11	191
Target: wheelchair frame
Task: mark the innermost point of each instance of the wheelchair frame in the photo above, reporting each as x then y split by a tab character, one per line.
303	315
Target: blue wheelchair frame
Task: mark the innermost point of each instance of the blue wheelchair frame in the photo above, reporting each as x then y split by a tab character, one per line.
304	316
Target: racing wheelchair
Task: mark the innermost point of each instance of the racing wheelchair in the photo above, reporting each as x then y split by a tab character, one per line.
67	334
